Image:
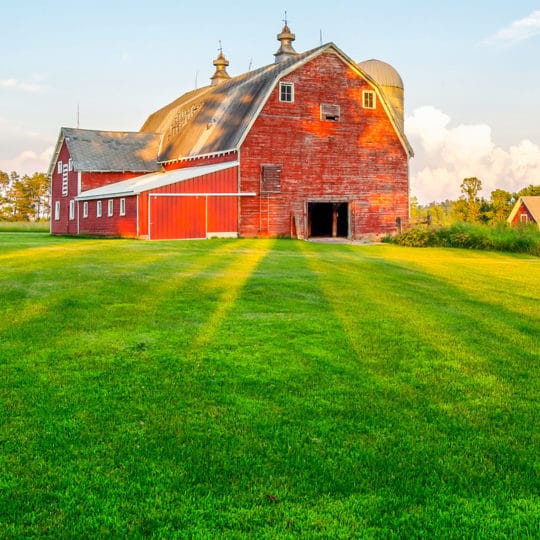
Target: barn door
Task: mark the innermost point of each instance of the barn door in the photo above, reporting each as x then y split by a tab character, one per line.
174	218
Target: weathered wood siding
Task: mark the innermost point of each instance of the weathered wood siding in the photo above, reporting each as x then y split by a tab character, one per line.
358	159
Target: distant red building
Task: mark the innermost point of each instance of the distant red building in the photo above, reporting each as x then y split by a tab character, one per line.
525	211
311	145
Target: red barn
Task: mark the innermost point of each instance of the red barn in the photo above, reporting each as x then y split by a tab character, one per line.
311	145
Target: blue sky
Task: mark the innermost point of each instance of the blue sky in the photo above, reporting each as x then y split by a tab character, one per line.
472	82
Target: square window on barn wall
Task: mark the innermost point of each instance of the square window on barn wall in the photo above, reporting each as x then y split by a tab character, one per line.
99	208
70	162
286	92
85	209
110	207
59	167
271	178
71	210
122	207
330	112
368	99
57	210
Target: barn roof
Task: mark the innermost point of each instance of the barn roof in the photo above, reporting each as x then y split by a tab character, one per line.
156	180
109	151
531	203
216	119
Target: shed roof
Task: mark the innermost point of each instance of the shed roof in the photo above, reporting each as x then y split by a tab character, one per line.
110	151
216	119
147	182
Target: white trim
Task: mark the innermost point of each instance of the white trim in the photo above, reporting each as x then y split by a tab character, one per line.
110	208
71	210
246	194
99	209
373	95
85	209
122	210
56	210
285	84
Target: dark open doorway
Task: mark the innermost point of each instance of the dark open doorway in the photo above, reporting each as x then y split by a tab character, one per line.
328	219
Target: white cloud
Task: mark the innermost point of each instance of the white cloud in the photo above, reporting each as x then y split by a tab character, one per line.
15	84
446	154
28	162
517	31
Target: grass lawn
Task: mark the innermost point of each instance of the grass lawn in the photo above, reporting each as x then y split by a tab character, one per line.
266	388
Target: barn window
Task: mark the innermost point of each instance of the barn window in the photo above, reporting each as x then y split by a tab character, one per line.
368	99
122	207
57	210
70	164
98	209
110	207
85	209
286	92
71	209
270	178
330	112
65	180
59	168
523	218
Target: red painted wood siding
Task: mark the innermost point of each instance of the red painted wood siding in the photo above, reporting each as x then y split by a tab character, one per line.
115	225
174	217
92	180
358	159
63	225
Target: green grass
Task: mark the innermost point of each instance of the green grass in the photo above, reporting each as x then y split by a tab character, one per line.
266	388
25	226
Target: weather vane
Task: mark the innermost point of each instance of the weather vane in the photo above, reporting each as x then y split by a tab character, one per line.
220	47
285	19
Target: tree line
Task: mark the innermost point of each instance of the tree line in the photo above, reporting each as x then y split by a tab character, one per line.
470	207
24	198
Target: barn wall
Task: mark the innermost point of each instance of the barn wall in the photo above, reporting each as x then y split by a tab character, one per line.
115	225
92	180
358	159
64	225
193	217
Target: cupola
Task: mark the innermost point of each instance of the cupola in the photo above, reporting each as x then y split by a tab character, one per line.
221	64
286	50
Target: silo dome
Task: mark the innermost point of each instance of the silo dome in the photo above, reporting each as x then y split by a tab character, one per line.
390	82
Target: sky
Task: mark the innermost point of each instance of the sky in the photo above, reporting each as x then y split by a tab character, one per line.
470	70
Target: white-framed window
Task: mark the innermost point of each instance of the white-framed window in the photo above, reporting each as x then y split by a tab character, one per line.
110	207
286	92
331	113
368	99
524	218
122	206
85	209
99	208
71	210
70	163
59	167
57	210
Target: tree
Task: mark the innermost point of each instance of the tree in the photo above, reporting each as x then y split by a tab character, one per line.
27	198
467	207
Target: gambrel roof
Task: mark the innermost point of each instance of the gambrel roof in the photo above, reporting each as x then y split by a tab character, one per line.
216	119
109	151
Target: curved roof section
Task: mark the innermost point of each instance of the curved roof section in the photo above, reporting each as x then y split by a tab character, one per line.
216	119
383	73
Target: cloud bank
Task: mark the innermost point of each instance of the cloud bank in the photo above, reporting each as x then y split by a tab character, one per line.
28	162
446	154
517	31
15	84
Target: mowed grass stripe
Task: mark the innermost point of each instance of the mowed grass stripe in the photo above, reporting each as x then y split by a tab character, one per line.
266	388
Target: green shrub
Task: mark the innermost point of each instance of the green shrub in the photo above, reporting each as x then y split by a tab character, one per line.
467	236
